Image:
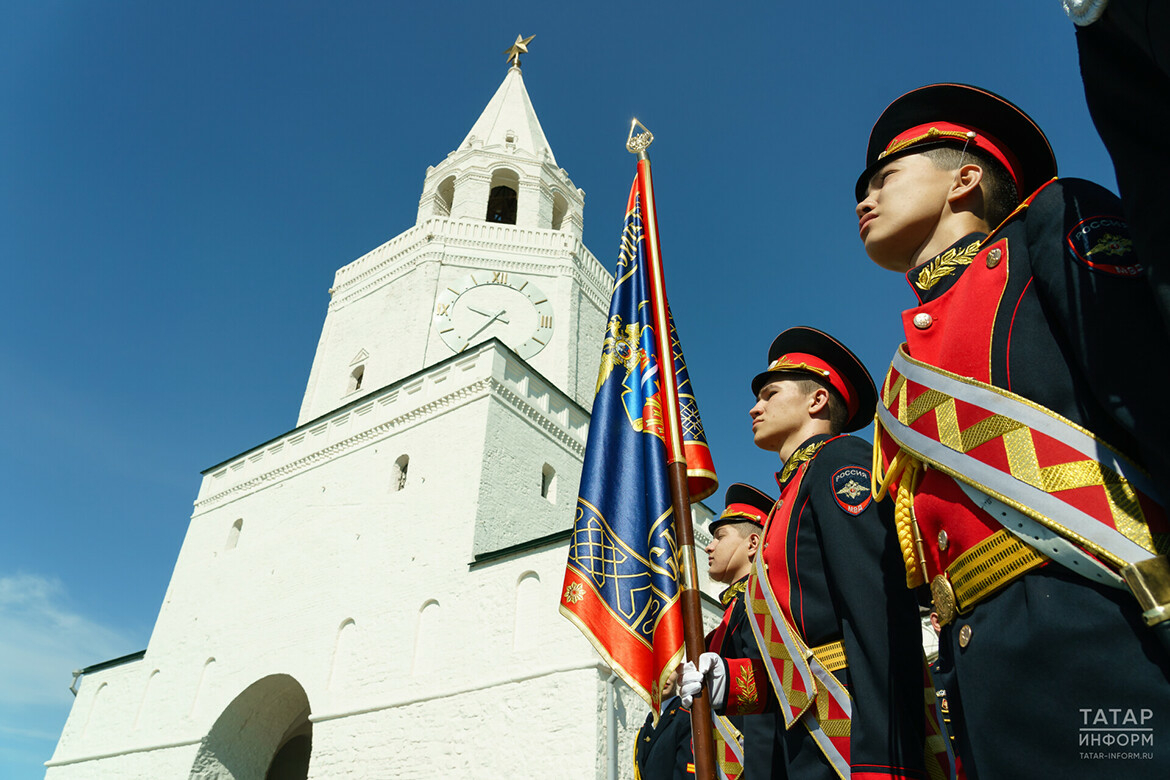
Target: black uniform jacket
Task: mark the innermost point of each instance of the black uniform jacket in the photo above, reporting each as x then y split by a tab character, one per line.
1054	307
846	582
734	639
1125	62
663	752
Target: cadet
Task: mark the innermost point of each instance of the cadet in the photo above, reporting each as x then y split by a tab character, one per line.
825	598
734	545
663	749
1026	410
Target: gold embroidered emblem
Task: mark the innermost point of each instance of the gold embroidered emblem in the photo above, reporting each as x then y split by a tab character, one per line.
930	135
727	596
748	698
622	347
945	264
798	457
574	593
782	363
852	489
1111	245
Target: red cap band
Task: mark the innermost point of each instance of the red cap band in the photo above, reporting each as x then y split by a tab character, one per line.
936	131
800	361
746	511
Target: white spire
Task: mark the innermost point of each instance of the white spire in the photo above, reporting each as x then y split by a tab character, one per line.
510	113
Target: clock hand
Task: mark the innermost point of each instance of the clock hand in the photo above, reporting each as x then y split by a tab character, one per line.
485	314
492	318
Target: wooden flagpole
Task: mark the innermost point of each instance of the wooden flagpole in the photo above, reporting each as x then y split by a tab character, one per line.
692	611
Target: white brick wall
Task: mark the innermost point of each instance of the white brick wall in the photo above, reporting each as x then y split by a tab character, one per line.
327	541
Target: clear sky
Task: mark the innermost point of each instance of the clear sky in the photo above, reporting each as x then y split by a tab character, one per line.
179	182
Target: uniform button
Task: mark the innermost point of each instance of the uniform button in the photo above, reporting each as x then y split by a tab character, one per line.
922	320
993	257
965	636
943	540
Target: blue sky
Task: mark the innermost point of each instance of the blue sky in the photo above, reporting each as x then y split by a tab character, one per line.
180	181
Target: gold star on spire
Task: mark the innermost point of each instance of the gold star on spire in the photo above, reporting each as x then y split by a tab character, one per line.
516	49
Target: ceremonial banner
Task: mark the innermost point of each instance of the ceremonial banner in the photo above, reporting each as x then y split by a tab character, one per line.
622	578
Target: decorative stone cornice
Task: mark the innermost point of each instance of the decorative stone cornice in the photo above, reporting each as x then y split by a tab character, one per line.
391	272
596	282
495	157
401	422
400	255
539	418
378	258
490	385
472	263
473	174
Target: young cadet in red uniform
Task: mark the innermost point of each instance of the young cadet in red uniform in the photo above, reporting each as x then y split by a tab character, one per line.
735	542
1024	436
842	663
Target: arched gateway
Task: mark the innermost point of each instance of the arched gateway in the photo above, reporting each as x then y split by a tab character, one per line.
264	734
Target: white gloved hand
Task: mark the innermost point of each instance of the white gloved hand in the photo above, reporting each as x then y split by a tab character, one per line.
710	666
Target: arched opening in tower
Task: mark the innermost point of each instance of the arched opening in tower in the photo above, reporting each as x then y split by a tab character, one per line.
502	198
560	208
445	197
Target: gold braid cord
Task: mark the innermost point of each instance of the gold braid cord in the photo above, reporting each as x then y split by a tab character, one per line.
930	135
909	540
904	475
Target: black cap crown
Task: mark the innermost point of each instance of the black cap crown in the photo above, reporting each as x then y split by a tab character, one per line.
745	504
816	353
956	115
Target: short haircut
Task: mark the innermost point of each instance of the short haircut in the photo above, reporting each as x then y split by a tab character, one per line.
838	412
1000	195
745	528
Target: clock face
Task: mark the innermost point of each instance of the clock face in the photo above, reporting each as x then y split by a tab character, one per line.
484	304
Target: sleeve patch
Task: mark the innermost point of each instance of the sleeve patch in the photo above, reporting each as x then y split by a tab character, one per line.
851	489
1103	244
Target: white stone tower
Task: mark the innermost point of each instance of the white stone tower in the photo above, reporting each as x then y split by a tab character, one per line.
374	593
496	251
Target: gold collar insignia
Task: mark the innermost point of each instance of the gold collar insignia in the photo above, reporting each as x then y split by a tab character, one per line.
945	264
727	596
798	457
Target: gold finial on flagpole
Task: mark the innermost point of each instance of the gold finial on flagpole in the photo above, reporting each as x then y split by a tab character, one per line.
514	51
637	144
